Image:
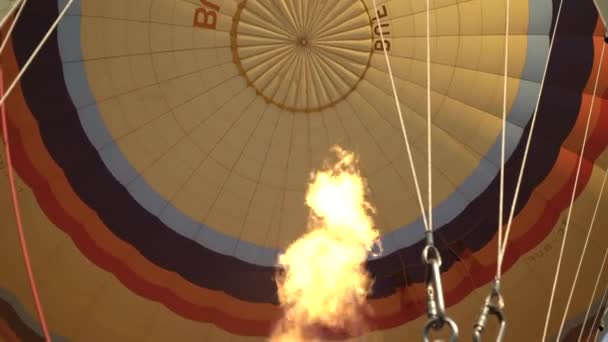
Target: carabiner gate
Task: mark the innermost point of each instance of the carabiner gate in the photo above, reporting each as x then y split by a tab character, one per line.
434	296
493	305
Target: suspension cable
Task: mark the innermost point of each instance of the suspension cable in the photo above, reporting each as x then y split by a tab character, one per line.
403	130
19	221
580	261
430	254
437	316
21	4
529	140
8	13
568	218
597	281
11	176
503	143
494	302
504	238
35	52
428	116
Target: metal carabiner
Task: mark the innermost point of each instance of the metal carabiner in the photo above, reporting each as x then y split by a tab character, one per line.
493	305
432	260
434	295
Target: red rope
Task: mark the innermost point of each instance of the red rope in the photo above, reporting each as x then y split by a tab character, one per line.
17	211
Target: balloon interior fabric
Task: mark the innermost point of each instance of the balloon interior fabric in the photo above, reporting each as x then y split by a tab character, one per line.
164	149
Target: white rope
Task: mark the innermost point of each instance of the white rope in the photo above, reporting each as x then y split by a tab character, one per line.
505	238
17	16
428	111
32	281
501	199
602	302
597	281
35	53
10	12
532	125
403	130
568	217
580	261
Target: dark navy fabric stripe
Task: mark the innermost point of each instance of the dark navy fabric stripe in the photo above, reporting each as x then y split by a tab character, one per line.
20	328
569	69
49	101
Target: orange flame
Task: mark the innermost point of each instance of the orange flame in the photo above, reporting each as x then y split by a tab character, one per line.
323	282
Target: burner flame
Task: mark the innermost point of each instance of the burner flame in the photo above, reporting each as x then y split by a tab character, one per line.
323	283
